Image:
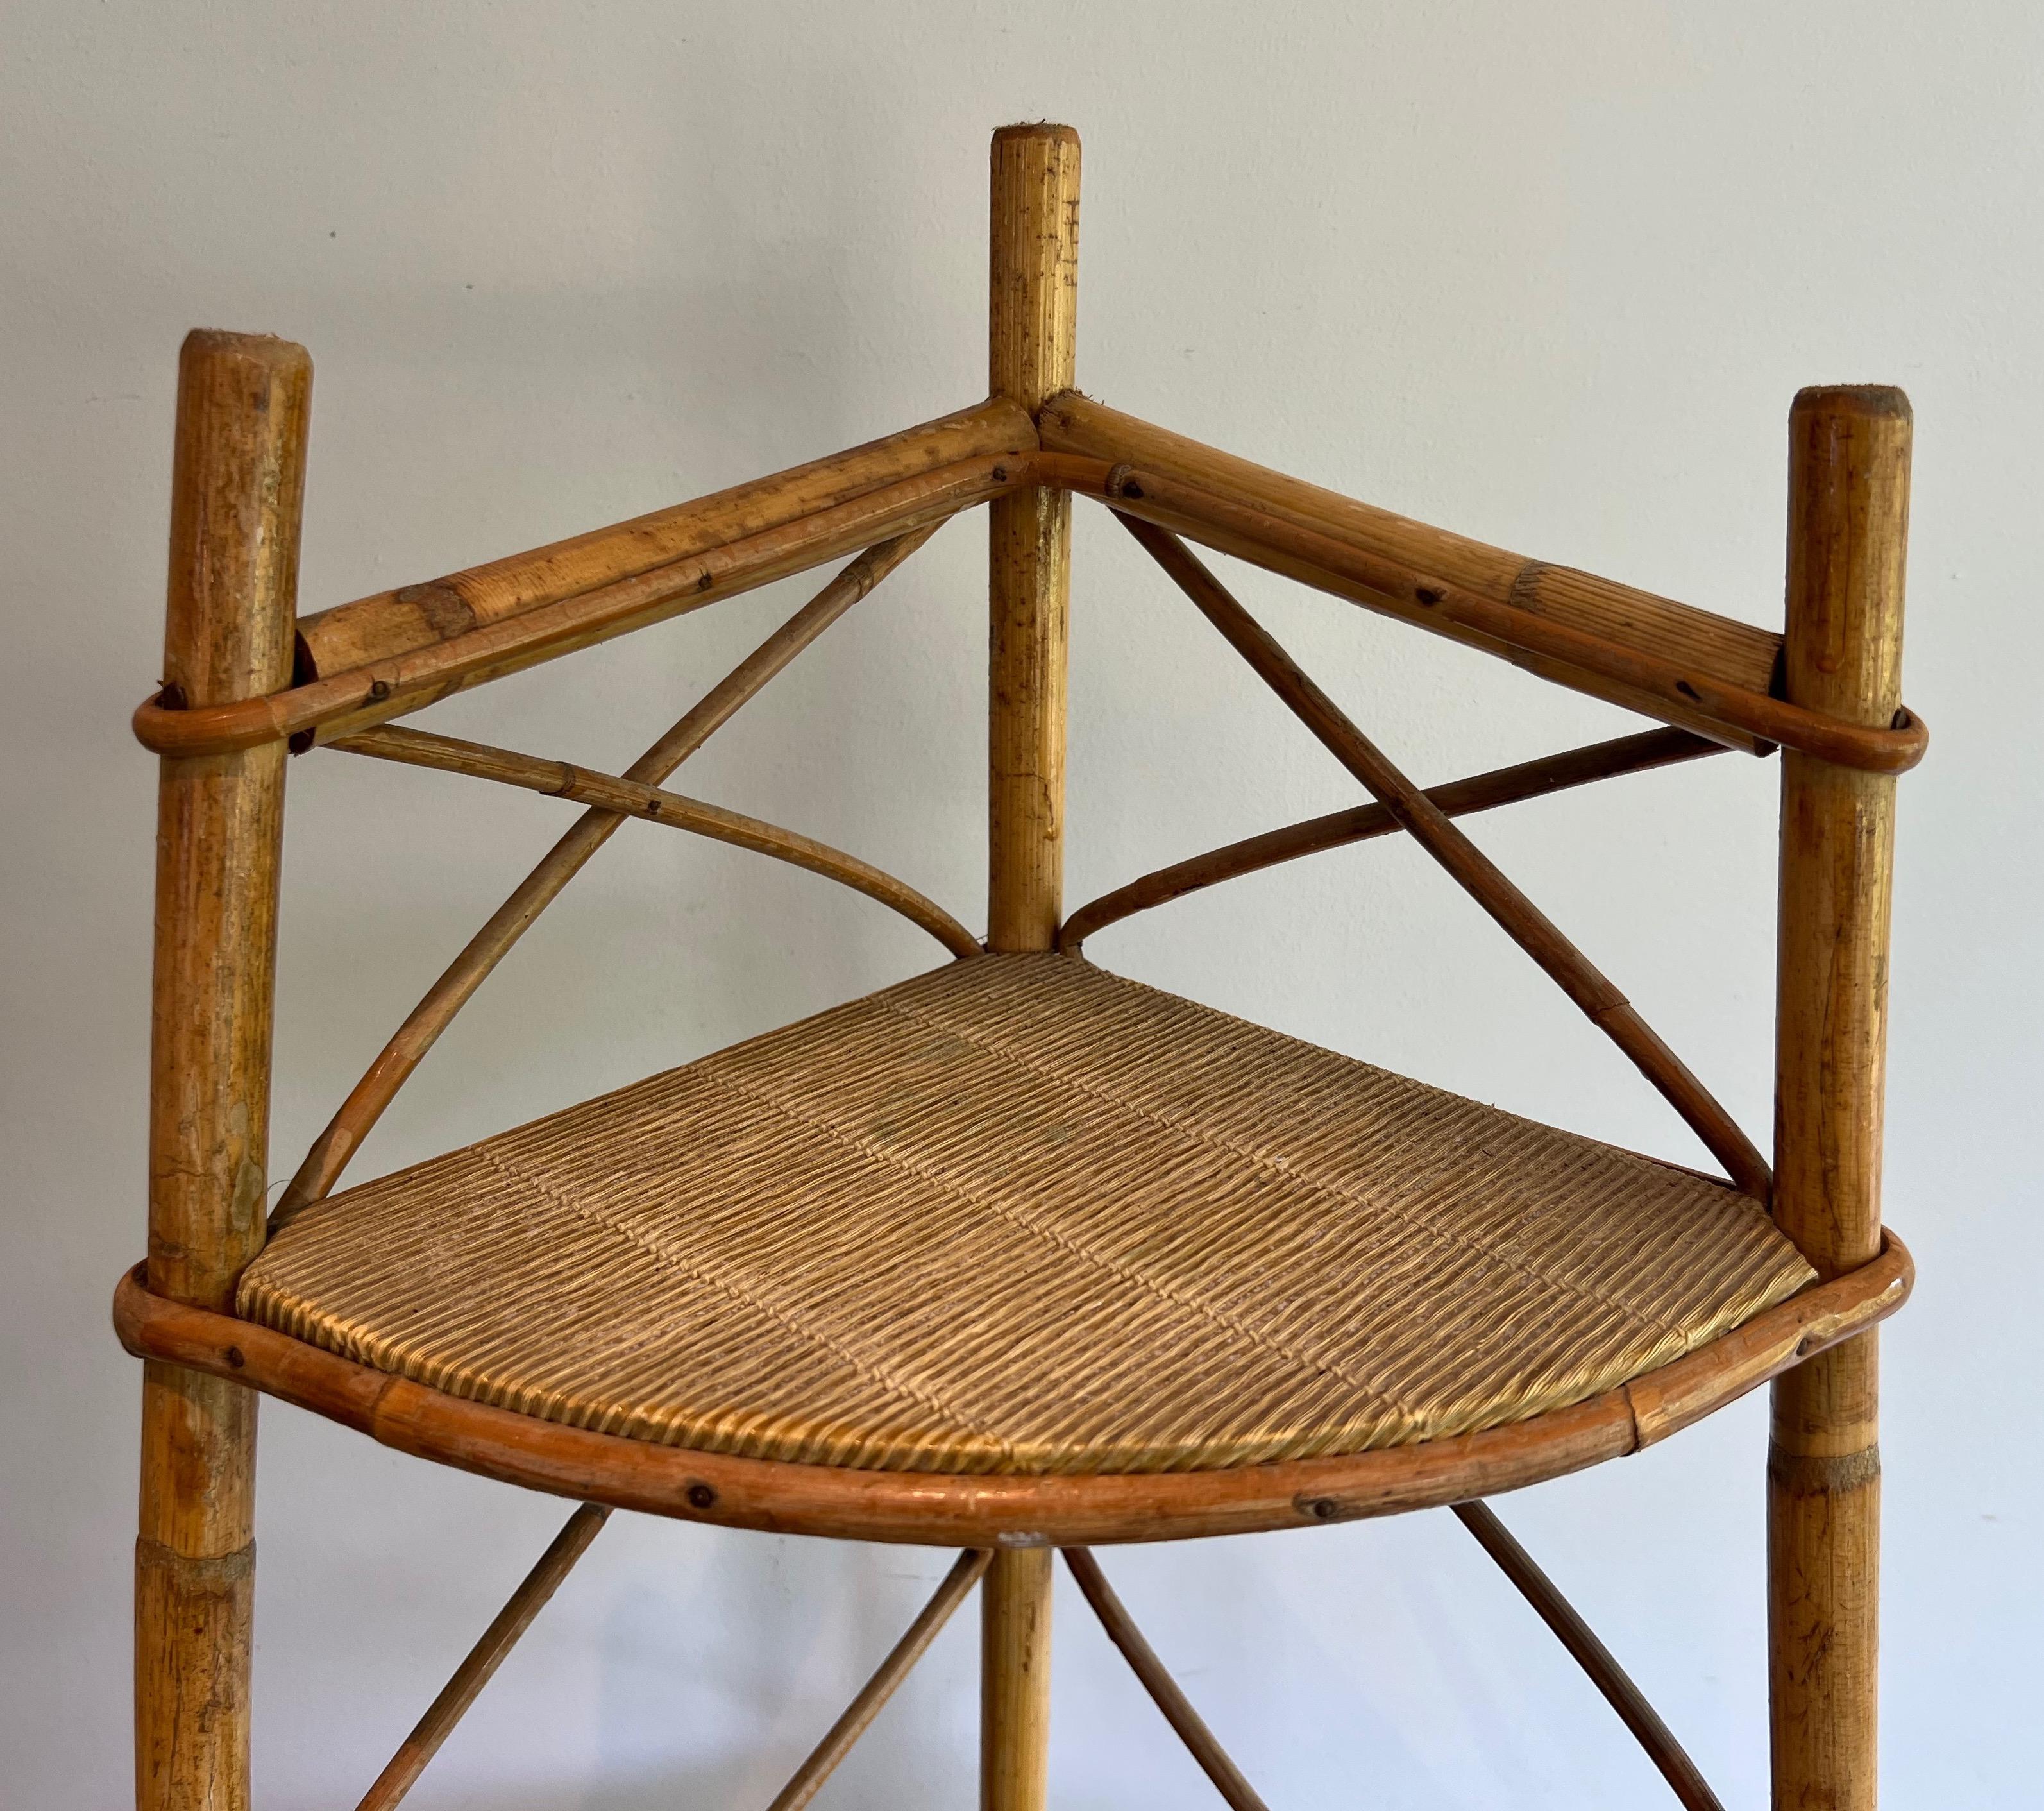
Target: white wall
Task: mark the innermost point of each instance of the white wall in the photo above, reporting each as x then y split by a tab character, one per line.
1548	275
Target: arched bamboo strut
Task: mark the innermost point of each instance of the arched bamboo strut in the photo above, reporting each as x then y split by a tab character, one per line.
393	1067
484	1658
957	1587
1625	1697
1480	878
1655	684
1361	823
563	779
924	1509
1163	1690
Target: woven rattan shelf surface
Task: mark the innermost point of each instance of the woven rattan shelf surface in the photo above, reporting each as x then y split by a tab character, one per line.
1021	1215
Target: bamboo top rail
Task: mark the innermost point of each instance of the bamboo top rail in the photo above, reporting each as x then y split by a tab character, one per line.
1705	673
412	616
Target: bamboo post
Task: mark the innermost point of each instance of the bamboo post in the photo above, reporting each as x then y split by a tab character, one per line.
1015	1681
1848	520
1033	298
237	488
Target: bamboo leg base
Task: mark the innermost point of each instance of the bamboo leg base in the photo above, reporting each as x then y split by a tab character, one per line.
1015	1681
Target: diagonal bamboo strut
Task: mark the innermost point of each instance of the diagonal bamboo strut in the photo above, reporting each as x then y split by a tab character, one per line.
563	779
1592	1656
957	1587
393	1067
485	1657
1480	878
1359	823
1141	1658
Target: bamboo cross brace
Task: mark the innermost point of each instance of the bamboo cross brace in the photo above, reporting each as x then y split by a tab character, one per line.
1361	823
378	1087
1480	878
957	1587
1688	1784
484	1658
1177	1709
564	780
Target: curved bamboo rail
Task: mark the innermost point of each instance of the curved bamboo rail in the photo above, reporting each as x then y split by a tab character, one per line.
379	1084
1683	693
924	1509
1683	1779
1474	871
631	798
1360	824
326	709
412	616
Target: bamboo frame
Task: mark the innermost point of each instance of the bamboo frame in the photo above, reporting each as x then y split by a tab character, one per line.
237	493
456	986
925	1508
633	798
1610	1678
243	678
1362	823
1518	916
480	1664
1849	451
1164	1690
957	1584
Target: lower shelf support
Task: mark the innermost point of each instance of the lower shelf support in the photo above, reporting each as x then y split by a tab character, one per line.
485	1657
1593	1656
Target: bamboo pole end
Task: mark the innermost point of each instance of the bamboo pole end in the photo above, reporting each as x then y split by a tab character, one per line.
1039	130
1868	402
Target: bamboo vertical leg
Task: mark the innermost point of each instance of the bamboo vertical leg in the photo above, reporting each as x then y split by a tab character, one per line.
1015	1681
1849	500
1034	306
236	492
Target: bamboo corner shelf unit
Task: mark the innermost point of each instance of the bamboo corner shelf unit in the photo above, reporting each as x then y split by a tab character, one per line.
1017	1256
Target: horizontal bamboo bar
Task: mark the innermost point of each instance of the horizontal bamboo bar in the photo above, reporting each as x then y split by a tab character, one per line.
969	1569
1683	1776
1163	1690
925	1508
364	696
1359	823
1684	695
1736	653
373	629
344	1133
484	1658
1472	870
631	798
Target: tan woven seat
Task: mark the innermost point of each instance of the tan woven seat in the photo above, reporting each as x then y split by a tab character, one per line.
1021	1215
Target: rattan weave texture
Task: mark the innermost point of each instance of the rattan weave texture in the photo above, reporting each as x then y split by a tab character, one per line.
1021	1215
